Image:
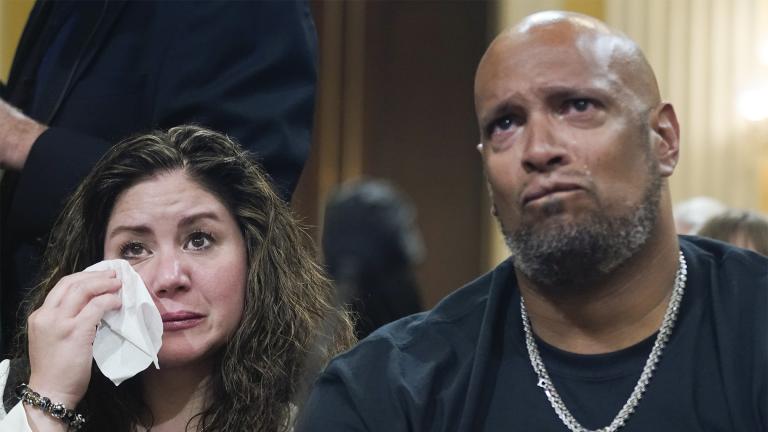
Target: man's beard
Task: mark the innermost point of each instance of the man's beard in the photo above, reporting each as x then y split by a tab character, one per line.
578	253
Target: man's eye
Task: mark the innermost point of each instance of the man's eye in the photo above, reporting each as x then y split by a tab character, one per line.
502	124
132	249
577	105
199	240
581	105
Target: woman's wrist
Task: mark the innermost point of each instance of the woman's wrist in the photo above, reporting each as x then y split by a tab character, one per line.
53	408
66	399
40	421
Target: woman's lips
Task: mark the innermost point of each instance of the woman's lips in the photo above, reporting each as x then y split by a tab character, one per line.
174	321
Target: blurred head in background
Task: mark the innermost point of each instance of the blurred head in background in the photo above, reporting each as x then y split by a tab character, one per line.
371	246
745	229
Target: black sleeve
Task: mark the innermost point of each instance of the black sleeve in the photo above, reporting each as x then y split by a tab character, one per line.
58	160
367	389
245	68
330	407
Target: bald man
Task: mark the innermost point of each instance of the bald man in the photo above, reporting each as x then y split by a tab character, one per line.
602	318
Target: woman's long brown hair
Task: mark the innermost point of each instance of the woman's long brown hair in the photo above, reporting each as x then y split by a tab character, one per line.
289	315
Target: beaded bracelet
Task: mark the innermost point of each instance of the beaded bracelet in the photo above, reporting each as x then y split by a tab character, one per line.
30	397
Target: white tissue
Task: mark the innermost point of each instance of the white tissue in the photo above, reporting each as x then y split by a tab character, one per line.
128	339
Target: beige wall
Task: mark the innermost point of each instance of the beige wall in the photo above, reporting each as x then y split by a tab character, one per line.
13	16
705	54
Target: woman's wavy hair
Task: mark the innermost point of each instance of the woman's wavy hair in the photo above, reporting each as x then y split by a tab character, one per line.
290	318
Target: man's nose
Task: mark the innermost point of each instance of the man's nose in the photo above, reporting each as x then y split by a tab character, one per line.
543	150
170	274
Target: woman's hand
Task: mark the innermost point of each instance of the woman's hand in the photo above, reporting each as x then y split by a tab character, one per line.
61	334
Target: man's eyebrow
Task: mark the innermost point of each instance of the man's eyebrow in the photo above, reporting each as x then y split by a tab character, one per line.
565	92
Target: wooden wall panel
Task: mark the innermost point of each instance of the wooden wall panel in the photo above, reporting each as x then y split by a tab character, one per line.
395	101
420	127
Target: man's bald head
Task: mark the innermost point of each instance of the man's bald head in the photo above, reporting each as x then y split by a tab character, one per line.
604	48
576	145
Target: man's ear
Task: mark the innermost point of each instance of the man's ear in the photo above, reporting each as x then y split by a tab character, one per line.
666	138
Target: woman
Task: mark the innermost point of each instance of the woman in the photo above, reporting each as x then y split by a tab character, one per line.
242	299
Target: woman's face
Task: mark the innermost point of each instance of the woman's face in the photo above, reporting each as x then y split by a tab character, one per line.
189	250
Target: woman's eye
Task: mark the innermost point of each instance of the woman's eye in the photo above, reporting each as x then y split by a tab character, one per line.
132	250
199	240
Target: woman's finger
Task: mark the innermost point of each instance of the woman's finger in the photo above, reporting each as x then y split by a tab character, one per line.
91	314
79	293
65	284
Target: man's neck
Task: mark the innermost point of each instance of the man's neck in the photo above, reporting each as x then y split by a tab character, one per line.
615	312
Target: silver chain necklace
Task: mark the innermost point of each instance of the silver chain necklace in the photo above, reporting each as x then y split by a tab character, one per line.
650	364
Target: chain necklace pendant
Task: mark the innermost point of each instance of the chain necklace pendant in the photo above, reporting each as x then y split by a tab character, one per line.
544	381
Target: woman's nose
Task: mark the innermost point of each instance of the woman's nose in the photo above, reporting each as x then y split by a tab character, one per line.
169	274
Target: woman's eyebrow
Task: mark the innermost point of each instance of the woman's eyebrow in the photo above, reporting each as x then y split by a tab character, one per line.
144	229
133	229
193	218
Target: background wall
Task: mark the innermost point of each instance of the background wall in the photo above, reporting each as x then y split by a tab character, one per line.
396	102
707	56
13	15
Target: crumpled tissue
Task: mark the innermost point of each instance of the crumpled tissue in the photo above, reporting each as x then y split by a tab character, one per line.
128	339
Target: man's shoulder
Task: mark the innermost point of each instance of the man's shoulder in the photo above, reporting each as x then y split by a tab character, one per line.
723	260
734	280
446	332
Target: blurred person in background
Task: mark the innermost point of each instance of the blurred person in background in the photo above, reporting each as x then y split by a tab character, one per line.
690	215
371	246
745	229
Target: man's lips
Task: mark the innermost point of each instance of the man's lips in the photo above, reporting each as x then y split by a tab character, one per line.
541	190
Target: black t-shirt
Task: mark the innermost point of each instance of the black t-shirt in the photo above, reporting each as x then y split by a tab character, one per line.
463	366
